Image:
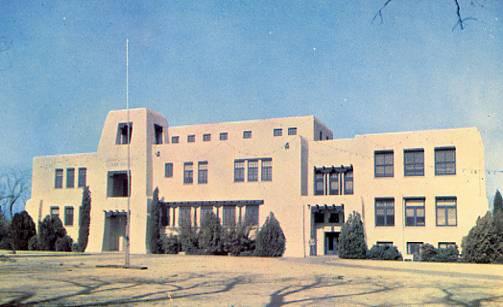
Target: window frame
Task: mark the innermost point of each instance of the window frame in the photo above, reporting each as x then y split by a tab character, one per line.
385	208
292	131
242	174
188	174
191	138
82	177
54	207
70	178
252	172
223	136
446	210
319	177
331	177
384	165
66	209
346	177
415	172
207	137
168	169
409	244
277	132
266	171
414	208
247	134
202	173
158	134
444	163
175	139
58	178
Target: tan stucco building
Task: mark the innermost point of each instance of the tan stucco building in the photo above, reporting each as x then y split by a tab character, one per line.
410	187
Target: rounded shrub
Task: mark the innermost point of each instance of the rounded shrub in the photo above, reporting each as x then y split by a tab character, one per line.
170	244
237	241
271	241
21	229
484	242
64	244
384	252
50	229
33	244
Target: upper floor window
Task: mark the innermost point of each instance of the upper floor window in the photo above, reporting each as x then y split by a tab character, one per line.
319	183
168	170
334	183
319	217
118	184
202	172
266	174
54	211
82	182
224	136
252	170
445	161
383	163
239	170
413	162
188	173
157	134
247	134
292	131
447	214
191	138
70	177
206	137
175	139
68	216
414	212
348	182
385	212
277	132
124	132
58	178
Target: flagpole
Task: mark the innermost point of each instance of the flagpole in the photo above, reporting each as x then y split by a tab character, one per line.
128	214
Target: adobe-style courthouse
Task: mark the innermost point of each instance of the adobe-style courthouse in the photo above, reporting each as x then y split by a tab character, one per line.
410	188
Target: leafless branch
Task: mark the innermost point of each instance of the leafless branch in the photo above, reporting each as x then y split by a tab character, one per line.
379	13
14	188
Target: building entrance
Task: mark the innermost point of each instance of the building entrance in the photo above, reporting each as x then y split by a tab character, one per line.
331	242
115	232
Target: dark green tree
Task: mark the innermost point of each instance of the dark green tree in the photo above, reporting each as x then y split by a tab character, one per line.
497	202
4	231
271	241
352	243
484	242
237	240
84	220
188	237
50	229
21	229
63	244
211	241
155	224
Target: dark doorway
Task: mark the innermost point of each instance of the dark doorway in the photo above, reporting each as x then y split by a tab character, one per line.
114	232
331	242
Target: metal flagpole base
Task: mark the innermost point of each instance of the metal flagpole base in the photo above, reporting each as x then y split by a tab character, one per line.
120	266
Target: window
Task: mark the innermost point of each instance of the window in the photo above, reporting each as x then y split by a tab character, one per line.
70	177
384	243
157	134
202	172
58	178
334	218
175	139
118	184
321	135
414	212
334	184
239	170
319	217
277	132
447	211
191	138
348	182
247	134
205	214
251	215
385	212
252	170
383	163
188	173
68	216
292	131
447	245
54	211
168	170
206	137
184	216
413	162
413	248
224	136
82	177
445	161
229	218
165	215
319	183
124	134
266	174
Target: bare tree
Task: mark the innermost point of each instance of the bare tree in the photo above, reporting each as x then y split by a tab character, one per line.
14	189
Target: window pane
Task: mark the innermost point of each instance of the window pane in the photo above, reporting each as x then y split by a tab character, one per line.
70	177
451	216
266	170
82	177
229	218
252	170
58	179
187	173
441	216
168	170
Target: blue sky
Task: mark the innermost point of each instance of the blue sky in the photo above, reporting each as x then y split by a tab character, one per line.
62	67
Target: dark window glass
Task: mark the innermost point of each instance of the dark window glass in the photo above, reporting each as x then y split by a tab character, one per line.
252	170
229	218
168	169
348	182
277	132
70	177
413	248
54	211
68	216
247	134
414	162
292	131
58	178
385	212
266	173
239	170
414	212
191	138
446	211
124	134
334	184
319	183
224	136
319	217
82	177
118	184
206	137
175	139
184	216
202	172
445	161
157	134
383	163
164	212
334	218
447	245
205	214
251	215
188	173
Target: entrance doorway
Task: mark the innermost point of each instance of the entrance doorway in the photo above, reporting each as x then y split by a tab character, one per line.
331	242
115	232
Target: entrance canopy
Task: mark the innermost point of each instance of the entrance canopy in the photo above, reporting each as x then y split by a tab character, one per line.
214	203
115	213
326	207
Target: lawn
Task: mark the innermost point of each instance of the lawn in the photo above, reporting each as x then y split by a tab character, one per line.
243	281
